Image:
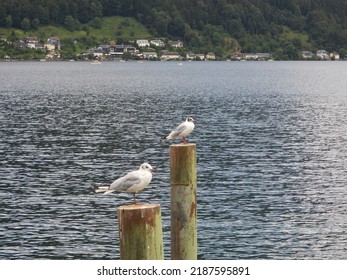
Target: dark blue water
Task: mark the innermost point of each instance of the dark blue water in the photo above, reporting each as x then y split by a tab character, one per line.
271	149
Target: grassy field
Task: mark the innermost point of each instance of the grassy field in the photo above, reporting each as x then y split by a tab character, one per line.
127	28
112	28
302	37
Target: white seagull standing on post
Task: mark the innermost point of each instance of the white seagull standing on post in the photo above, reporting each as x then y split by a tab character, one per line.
132	182
182	131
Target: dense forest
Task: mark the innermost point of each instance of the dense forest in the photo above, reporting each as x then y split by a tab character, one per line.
281	27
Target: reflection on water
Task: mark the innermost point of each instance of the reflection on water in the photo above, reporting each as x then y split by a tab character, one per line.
271	151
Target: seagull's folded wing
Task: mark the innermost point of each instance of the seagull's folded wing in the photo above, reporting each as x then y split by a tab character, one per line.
179	129
124	183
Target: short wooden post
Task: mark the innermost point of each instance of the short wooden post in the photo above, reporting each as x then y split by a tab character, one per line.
183	202
140	232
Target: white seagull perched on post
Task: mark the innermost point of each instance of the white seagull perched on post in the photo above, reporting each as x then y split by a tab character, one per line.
182	131
132	182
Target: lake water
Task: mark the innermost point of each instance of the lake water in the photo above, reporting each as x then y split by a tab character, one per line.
271	152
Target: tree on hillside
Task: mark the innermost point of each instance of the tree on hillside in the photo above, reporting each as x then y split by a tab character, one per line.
256	25
69	23
25	24
35	23
8	21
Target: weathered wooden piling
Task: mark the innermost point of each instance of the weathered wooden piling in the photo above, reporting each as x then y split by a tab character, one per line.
140	232
183	202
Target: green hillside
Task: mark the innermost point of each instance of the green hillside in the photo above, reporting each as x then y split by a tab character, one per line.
110	29
281	27
115	29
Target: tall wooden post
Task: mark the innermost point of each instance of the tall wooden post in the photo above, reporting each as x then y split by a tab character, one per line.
140	232
183	202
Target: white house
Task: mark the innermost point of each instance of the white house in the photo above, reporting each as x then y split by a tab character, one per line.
335	56
35	46
97	52
323	54
31	39
52	43
190	55
210	56
263	56
149	55
49	47
200	56
176	44
237	56
307	54
142	43
196	56
158	43
32	42
170	56
250	56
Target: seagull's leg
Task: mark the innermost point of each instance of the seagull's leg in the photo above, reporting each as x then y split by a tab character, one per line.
184	140
134	198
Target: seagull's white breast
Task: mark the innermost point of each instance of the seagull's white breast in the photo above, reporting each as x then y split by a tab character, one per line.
188	128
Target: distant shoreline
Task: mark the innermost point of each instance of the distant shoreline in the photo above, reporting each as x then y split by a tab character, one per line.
174	61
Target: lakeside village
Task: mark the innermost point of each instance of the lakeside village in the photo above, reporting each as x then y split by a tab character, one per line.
155	49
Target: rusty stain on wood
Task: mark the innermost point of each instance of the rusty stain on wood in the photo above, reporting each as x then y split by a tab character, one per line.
183	164
140	232
183	180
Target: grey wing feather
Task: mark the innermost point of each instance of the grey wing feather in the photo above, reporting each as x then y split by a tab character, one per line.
174	134
181	128
124	183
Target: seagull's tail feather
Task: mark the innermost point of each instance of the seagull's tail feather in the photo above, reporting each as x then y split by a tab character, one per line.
99	189
109	191
170	136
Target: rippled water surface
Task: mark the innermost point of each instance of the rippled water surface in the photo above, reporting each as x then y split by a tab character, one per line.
271	149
